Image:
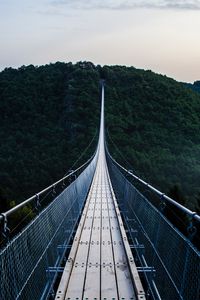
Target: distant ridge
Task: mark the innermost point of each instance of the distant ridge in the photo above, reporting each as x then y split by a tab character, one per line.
195	86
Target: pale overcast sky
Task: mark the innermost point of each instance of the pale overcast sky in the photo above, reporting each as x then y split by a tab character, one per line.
161	35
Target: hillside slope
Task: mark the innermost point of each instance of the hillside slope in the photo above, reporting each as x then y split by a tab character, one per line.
155	122
49	114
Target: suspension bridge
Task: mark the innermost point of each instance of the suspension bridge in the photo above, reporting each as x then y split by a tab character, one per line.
100	238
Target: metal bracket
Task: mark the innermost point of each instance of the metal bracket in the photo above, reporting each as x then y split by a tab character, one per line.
55	270
53	190
132	232
5	229
146	269
37	202
123	212
62	248
150	271
139	248
51	272
70	177
63	184
191	229
162	203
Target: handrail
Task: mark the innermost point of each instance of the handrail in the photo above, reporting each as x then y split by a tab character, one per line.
4	215
192	214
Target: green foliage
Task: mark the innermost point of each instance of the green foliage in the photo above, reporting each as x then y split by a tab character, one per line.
50	113
155	122
195	86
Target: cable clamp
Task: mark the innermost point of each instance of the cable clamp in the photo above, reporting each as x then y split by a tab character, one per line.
53	190
37	201
162	202
4	228
191	229
63	184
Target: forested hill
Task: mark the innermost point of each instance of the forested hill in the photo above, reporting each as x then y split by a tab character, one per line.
49	115
195	86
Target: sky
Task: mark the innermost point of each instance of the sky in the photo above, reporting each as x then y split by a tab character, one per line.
158	35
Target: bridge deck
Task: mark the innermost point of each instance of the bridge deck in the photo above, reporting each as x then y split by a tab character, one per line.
100	264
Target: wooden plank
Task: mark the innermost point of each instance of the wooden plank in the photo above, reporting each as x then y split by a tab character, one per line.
108	275
123	278
92	280
136	282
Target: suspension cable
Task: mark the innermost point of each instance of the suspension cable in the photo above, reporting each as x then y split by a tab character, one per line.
83	152
121	154
29	200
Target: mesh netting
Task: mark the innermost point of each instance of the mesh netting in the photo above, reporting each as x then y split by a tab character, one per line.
176	261
25	261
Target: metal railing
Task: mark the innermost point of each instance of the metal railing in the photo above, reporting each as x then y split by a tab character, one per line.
158	245
161	195
36	199
27	260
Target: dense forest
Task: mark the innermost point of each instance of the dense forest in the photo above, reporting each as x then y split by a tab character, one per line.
49	115
195	86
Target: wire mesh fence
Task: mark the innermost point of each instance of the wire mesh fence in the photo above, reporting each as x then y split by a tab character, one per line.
175	259
25	261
